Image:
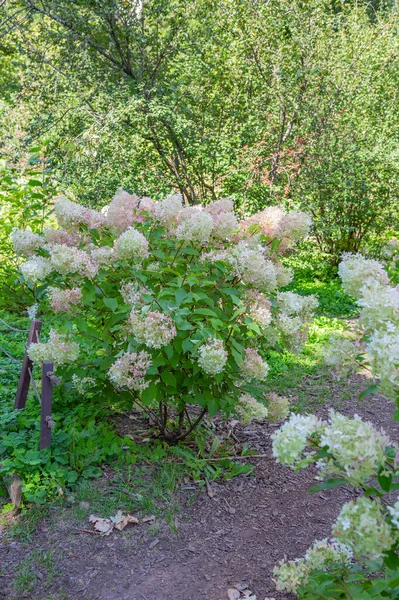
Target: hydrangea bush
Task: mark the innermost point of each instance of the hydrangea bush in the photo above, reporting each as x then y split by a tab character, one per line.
353	451
167	306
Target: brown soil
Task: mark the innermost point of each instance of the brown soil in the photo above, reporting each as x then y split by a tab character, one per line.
234	537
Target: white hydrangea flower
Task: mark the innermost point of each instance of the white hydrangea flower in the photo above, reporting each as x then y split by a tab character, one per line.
358	449
252	267
291	439
284	276
341	354
383	349
322	555
253	366
153	328
194	225
212	357
278	407
59	350
249	409
131	245
380	306
361	525
36	269
25	242
68	260
357	272
166	210
294	304
394	512
132	293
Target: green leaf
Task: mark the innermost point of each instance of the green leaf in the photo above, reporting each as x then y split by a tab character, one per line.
150	393
385	482
370	390
169	379
325	485
180	296
111	303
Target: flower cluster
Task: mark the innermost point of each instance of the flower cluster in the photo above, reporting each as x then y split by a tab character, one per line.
294	304
258	307
122	211
272	222
224	220
253	366
194	225
278	407
25	242
153	328
59	350
131	245
322	555
341	354
212	356
68	260
128	371
82	384
361	525
70	214
166	210
132	293
249	409
356	447
63	300
36	269
356	272
290	441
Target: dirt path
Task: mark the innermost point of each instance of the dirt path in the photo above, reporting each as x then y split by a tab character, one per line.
235	537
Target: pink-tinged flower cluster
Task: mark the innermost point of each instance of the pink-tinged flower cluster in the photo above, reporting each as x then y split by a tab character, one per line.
293	227
153	329
194	225
147	206
61	236
266	222
122	211
275	223
224	220
253	366
131	245
71	214
166	210
63	300
258	307
253	268
129	370
25	242
59	350
68	260
36	269
278	407
212	357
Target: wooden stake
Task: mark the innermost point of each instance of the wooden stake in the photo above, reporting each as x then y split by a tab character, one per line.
24	378
46	420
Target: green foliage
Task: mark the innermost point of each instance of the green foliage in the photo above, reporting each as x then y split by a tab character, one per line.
274	102
25	194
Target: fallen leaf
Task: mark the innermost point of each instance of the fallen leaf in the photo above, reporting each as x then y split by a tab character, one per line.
233	594
209	490
148	519
154	543
121	524
103	526
84	505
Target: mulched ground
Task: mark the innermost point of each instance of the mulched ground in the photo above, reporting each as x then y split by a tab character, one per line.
232	538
